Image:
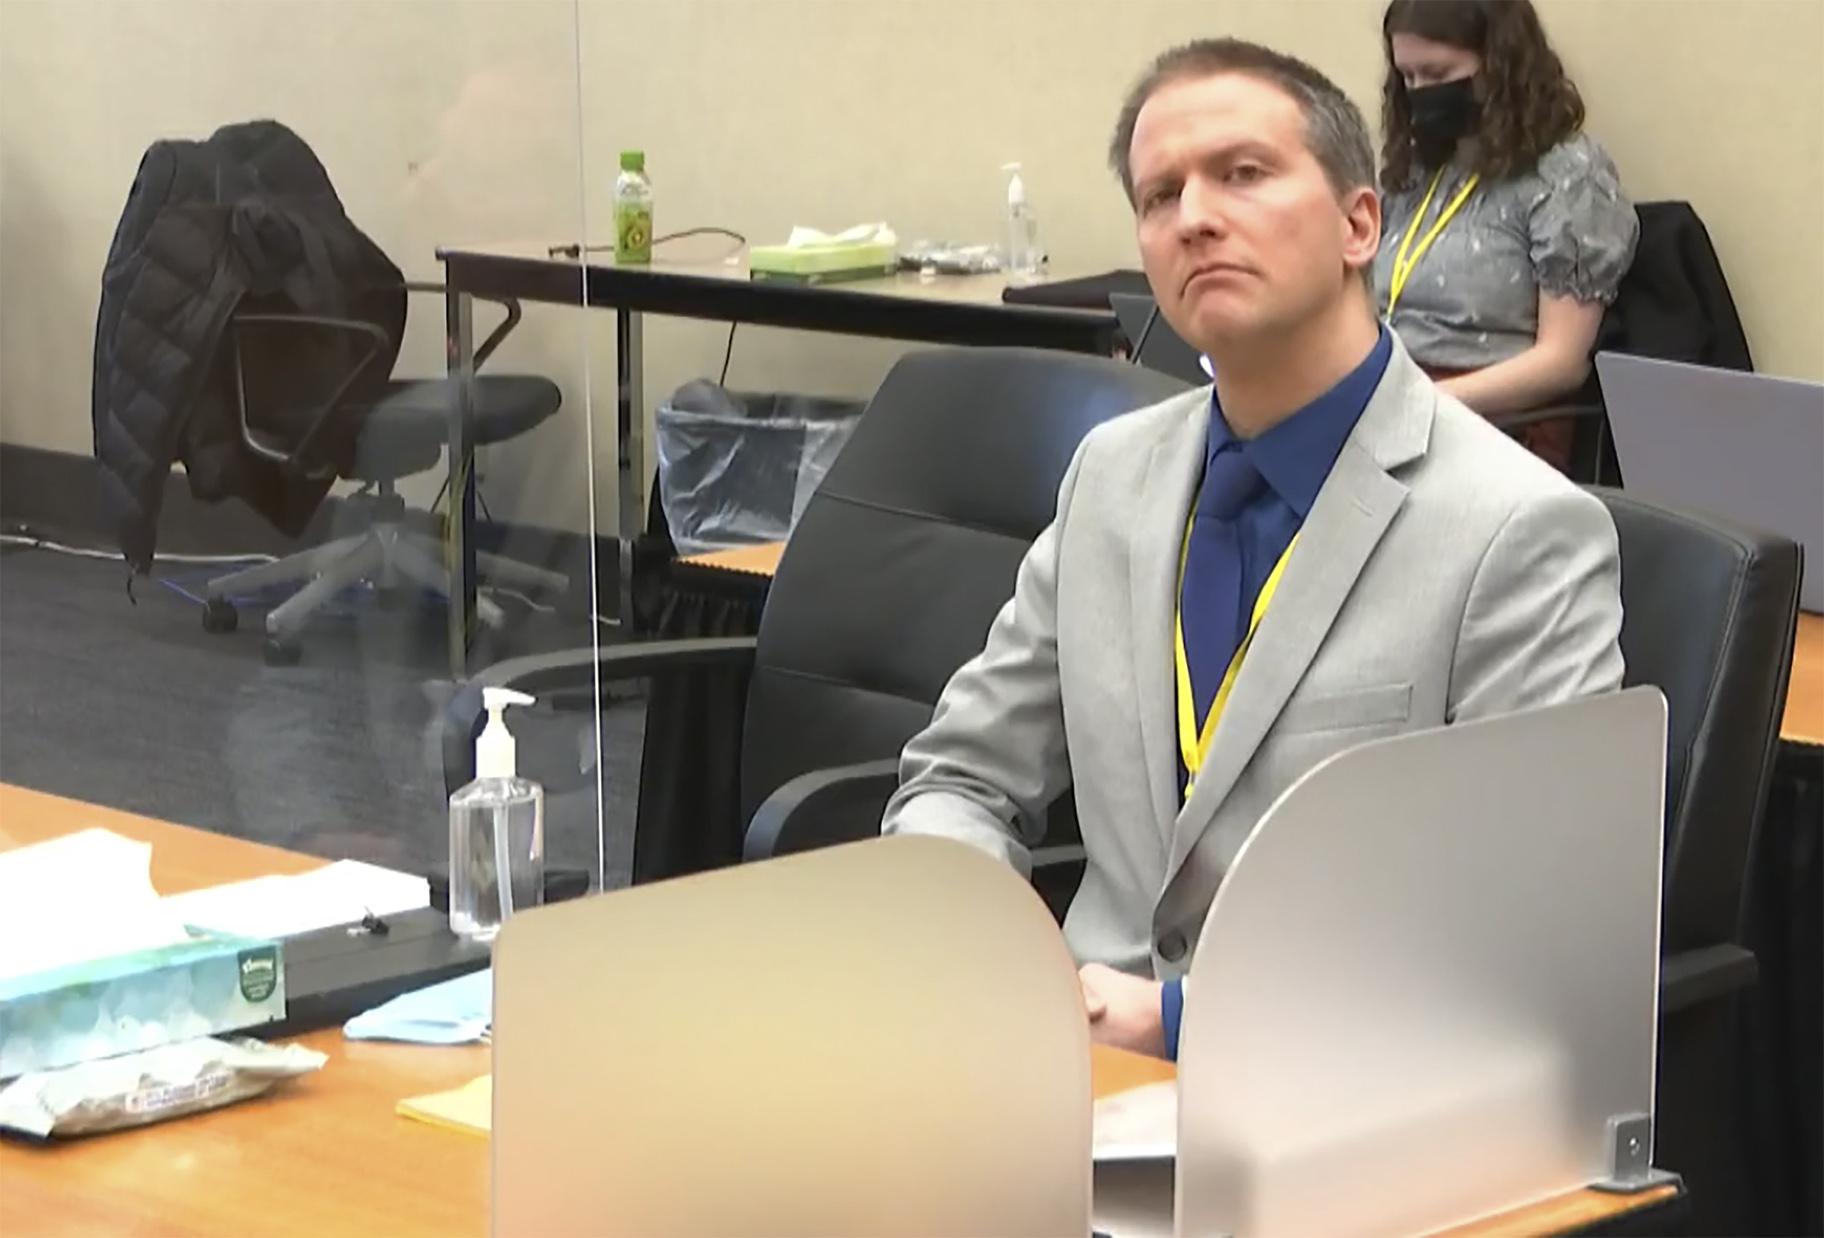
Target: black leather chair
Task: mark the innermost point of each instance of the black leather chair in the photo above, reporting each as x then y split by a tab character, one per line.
890	580
398	430
1710	611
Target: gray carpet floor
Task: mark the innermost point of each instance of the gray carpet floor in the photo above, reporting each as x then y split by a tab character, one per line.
133	706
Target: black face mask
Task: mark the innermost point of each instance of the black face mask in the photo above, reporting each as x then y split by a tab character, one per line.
1442	115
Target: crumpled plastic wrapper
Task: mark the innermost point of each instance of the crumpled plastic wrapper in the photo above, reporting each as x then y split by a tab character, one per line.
950	258
136	1088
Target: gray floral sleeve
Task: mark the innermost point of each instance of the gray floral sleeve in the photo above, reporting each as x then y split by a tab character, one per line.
1583	228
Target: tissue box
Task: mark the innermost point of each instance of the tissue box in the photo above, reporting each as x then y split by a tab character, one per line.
822	263
126	1002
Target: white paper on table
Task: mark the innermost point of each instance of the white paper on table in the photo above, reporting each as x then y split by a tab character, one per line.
338	893
83	896
1139	1124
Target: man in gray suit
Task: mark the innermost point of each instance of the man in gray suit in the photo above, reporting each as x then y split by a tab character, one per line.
1239	582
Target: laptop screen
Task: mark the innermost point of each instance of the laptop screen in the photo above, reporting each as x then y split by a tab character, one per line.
1743	446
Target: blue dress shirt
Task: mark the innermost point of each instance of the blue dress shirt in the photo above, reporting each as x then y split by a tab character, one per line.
1255	495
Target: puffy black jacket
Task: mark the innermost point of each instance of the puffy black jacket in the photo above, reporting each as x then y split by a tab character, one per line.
244	222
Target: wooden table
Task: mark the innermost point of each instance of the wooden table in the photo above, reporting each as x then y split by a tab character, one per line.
322	1155
760	560
325	1155
1804	720
946	309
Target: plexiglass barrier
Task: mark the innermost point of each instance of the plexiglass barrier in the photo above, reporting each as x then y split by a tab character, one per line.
1430	980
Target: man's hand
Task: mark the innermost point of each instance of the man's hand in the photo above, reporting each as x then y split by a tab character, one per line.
1123	1010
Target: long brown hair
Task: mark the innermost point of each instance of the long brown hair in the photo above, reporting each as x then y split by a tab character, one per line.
1528	104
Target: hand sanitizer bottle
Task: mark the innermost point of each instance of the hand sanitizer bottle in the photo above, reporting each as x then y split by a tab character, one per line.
497	831
1024	257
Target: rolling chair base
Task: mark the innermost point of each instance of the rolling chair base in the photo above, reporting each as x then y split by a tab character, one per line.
387	554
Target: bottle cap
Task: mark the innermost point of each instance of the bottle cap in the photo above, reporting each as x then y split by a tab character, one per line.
633	161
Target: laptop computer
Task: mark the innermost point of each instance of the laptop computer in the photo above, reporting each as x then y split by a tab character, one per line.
794	1047
1156	345
1747	447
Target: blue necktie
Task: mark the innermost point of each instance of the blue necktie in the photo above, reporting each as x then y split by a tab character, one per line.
1211	606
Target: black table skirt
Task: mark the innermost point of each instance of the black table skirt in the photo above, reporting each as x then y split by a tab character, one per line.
690	816
1782	1032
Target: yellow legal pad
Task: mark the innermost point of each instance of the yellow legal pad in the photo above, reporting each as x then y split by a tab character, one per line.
469	1108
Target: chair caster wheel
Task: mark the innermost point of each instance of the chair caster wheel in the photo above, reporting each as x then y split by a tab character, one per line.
282	653
220	616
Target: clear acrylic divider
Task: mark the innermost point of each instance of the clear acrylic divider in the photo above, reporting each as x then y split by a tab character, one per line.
1429	982
881	1038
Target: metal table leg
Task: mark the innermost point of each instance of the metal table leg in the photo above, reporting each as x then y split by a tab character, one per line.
459	528
630	455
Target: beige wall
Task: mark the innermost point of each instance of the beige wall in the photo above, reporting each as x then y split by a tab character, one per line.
445	121
436	121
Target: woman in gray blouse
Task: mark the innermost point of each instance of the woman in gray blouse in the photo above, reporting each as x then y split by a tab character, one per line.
1505	230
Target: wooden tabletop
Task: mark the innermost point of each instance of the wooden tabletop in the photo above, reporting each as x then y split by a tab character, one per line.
760	560
319	1155
326	1154
1571	1212
941	309
1804	720
732	265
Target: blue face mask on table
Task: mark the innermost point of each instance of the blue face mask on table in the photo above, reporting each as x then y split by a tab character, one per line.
455	1012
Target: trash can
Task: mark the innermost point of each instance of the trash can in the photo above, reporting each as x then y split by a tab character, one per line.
736	468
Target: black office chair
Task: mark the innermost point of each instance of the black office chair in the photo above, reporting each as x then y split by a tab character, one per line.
399	431
891	578
1709	615
1673	304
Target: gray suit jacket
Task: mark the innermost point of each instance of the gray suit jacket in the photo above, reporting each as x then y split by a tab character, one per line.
1443	574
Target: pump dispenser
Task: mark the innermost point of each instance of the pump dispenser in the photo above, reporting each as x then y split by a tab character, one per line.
496	755
1025	257
497	830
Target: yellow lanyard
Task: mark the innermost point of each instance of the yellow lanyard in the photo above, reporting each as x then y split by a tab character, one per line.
1194	746
1402	265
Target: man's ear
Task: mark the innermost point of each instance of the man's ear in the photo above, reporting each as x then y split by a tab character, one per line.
1361	225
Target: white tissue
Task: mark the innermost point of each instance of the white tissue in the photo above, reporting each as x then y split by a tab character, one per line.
861	234
83	896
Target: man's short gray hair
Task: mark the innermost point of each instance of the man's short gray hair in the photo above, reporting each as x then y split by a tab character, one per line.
1334	130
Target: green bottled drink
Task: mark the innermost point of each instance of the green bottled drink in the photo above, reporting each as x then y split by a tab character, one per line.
632	210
